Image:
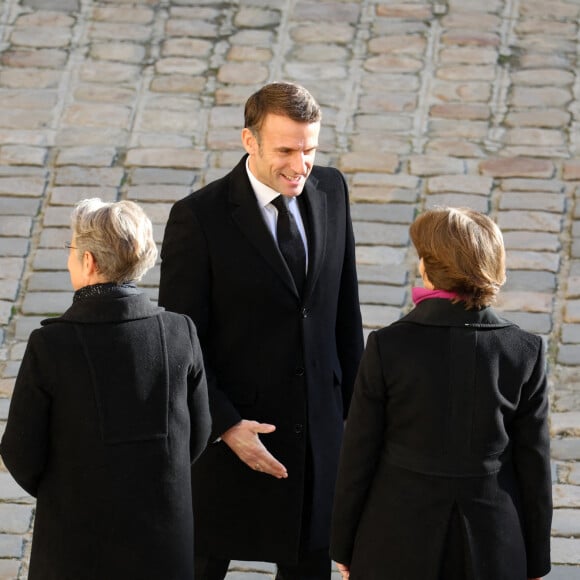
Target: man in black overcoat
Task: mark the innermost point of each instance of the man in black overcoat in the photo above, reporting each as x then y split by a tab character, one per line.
281	343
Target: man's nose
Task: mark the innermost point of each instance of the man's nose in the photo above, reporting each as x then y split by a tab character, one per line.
299	163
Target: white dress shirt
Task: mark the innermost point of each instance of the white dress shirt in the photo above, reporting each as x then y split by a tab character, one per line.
265	195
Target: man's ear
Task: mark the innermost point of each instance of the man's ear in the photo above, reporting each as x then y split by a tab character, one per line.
249	141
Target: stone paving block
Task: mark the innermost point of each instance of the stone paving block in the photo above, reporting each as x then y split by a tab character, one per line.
465	130
573	286
50	259
157	192
15	225
148	176
368	162
538	323
24	326
10	490
5	311
86	156
29	57
130	14
382	274
92	92
83	176
195	47
570	333
11	268
22	155
533	201
528	260
22	186
9	569
28	99
565	551
381	234
46	303
539	137
29	78
14	246
380	294
177	158
476	202
81	136
552	118
564	573
24	119
525	301
383	212
467	184
15	518
114	31
565	424
118	51
517	167
8	290
382	195
380	255
168	122
572	313
56	216
4	405
566	449
527	240
11	546
375	316
96	115
70	195
429	165
568	354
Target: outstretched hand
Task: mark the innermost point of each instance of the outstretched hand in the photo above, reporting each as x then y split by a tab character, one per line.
344	571
243	439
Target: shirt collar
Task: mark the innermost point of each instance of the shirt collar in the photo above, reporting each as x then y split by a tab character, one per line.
264	194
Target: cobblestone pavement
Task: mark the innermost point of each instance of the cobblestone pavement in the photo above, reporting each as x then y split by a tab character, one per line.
458	102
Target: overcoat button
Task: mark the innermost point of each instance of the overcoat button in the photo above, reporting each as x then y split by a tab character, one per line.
298	428
299	372
304	313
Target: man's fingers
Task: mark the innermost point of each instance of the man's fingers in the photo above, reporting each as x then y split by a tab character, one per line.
264	428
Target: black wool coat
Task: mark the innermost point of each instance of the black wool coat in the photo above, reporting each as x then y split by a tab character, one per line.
108	412
447	434
271	356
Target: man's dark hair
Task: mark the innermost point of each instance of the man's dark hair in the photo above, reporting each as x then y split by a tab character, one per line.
280	98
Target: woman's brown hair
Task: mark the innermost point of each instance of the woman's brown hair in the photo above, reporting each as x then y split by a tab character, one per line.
462	252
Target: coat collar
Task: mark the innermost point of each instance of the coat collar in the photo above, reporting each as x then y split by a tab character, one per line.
442	312
246	214
122	304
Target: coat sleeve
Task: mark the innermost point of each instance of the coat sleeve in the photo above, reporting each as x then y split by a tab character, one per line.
531	453
360	453
185	287
349	336
24	446
197	400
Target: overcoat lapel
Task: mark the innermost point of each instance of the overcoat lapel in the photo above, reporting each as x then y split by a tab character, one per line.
315	202
246	214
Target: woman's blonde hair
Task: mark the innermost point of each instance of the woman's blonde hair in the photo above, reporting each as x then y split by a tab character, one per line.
462	252
118	234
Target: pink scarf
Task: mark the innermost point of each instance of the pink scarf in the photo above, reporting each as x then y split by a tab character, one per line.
419	294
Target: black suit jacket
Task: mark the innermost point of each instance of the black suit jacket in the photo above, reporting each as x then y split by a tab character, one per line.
450	412
271	355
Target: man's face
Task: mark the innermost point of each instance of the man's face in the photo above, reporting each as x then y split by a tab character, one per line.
283	154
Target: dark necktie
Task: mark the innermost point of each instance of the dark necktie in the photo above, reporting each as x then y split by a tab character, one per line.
290	242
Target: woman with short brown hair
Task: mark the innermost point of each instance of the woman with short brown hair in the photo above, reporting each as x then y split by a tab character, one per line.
445	464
